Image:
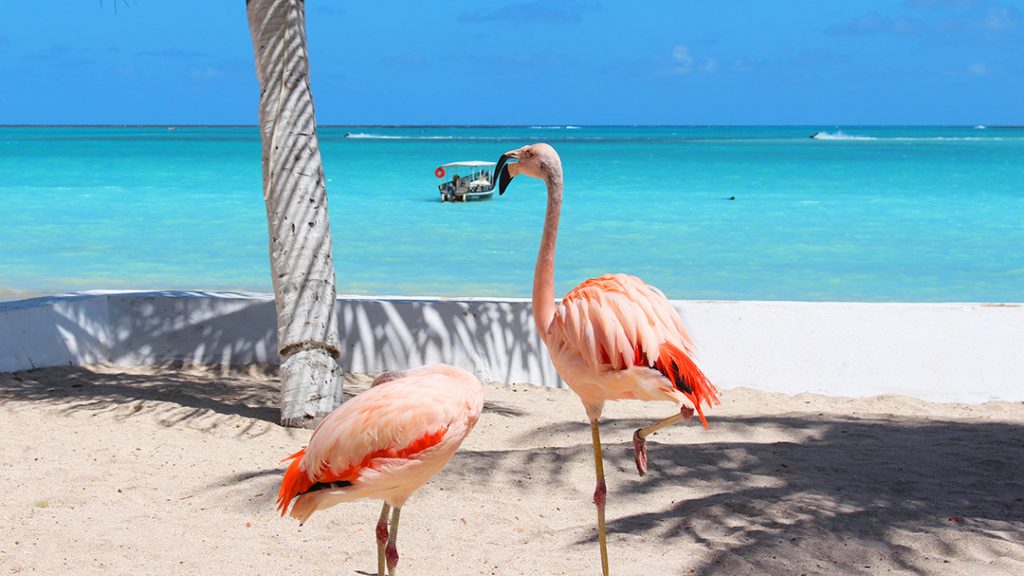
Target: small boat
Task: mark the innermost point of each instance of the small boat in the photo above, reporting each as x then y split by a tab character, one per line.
464	181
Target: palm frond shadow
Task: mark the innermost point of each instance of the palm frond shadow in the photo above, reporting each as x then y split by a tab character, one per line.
174	396
846	488
827	501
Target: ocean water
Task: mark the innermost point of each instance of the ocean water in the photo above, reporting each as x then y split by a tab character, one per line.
909	214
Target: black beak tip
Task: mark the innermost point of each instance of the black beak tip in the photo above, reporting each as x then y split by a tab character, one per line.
504	180
501	172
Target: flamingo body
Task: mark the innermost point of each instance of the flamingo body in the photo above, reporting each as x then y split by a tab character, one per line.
616	338
612	337
384	443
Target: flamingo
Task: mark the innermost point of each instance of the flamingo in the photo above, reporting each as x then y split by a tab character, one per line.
612	337
384	443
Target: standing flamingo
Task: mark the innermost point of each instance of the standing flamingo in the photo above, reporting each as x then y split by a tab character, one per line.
384	443
612	338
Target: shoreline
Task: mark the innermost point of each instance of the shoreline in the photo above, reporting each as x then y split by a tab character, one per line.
953	352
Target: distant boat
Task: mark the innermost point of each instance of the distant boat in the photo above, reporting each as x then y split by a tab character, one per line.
816	135
467	180
980	127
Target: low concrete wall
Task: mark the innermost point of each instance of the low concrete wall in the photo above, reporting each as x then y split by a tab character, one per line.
938	352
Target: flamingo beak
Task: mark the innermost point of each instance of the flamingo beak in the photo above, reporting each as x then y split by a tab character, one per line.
503	167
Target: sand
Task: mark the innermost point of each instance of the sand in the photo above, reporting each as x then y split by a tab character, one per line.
114	470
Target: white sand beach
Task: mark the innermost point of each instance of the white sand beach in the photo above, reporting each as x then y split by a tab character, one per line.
158	470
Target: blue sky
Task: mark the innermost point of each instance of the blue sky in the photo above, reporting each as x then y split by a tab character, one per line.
526	62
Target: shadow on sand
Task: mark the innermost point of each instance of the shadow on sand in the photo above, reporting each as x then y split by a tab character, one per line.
845	497
174	396
173	392
839	495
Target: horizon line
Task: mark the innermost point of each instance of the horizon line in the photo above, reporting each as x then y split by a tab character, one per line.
532	125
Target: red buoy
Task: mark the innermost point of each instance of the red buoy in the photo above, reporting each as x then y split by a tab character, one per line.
439	172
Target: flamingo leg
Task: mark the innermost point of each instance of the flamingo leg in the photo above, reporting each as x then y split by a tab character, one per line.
391	550
640	436
382	536
600	494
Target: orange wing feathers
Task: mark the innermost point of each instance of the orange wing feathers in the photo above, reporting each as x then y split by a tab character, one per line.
297	481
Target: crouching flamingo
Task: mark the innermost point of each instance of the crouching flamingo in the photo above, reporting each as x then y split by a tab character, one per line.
384	443
612	337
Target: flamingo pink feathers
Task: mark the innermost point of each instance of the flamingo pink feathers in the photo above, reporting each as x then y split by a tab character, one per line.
612	337
384	444
624	339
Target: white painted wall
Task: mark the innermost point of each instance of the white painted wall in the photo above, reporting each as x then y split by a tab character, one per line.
938	352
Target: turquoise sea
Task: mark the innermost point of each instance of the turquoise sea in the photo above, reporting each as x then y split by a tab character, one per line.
909	214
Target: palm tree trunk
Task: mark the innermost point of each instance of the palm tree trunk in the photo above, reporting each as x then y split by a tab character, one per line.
296	198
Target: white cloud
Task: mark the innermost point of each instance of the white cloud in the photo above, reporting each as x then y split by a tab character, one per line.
683	60
1000	18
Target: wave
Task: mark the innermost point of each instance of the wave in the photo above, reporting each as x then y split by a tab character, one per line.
952	139
579	137
478	138
839	135
554	127
366	136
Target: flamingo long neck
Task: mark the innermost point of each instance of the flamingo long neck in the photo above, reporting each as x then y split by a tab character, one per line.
544	273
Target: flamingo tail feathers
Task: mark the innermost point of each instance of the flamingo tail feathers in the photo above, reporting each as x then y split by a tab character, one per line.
678	367
296	481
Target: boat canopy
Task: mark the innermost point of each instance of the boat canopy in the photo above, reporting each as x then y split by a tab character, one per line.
468	164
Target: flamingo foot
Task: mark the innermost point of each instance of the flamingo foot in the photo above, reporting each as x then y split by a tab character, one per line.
640	452
639	437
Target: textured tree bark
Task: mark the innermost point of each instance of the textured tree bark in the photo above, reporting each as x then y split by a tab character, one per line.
295	194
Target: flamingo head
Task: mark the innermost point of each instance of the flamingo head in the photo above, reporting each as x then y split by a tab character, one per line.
536	160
